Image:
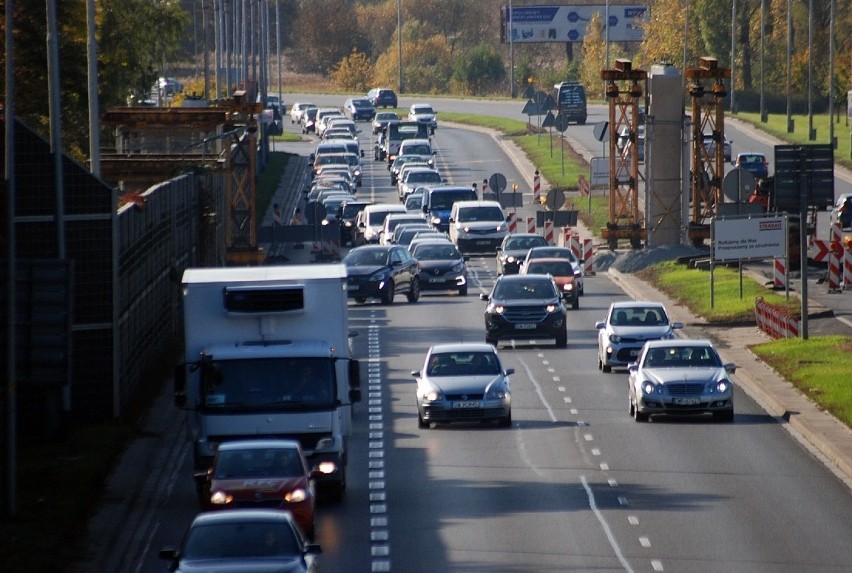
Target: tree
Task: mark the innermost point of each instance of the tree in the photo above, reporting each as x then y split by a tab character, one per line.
353	73
426	61
327	29
479	72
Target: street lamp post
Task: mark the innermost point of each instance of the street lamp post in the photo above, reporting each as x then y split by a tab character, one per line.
399	41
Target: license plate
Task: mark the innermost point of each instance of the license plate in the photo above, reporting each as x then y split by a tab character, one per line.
434	280
525	326
352	288
687	401
467	404
483	242
634	353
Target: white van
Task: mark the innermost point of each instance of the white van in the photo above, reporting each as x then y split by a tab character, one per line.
373	220
478	225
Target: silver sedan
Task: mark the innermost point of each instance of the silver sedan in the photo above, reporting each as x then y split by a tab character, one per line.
680	377
627	326
463	382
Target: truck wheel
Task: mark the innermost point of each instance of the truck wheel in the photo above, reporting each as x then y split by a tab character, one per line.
413	294
388	296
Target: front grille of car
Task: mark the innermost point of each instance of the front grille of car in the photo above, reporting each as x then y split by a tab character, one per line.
274	503
486	231
685	389
463	397
524	314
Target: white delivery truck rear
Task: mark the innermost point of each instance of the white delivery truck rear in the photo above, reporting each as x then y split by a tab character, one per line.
267	355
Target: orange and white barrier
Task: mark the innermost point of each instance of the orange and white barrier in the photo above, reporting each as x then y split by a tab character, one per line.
775	321
531	228
587	255
513	223
835	262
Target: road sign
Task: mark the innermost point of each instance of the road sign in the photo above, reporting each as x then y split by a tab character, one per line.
601	131
529	91
549	120
813	162
531	108
497	182
561	123
738	185
555	199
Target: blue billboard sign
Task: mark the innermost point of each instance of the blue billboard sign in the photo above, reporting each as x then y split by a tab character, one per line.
529	24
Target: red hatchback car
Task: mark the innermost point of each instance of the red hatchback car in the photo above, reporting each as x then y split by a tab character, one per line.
260	474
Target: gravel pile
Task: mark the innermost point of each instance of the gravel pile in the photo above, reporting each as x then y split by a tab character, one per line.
636	260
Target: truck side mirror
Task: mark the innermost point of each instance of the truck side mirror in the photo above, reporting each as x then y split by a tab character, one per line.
180	386
354	374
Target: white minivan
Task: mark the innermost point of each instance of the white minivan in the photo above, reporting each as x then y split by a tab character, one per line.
477	226
372	222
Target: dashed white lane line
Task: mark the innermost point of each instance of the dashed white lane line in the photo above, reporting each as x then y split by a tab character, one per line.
376	485
604	525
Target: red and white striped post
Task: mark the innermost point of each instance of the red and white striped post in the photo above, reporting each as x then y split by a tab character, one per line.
531	225
779	274
588	253
513	222
835	259
548	232
537	188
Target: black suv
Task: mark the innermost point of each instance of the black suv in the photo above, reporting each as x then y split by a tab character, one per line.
382	97
525	307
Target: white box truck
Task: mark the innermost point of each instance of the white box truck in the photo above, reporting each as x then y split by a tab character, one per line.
267	355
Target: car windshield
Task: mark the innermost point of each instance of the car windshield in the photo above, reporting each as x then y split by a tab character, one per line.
681	357
523	243
423	177
258	462
369	257
240	540
552	253
361	103
638	316
463	364
378	217
436	252
555	268
519	290
423	109
443	201
474	214
420	149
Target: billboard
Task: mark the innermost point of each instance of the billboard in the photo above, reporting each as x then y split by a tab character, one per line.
749	238
568	23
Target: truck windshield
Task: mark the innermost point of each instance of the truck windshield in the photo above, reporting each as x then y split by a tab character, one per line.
269	383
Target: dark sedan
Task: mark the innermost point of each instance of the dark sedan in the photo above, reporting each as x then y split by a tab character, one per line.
514	249
257	540
442	266
359	109
381	271
525	307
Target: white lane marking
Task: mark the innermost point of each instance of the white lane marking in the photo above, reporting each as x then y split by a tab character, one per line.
622	500
538	391
604	525
657	565
644	542
632	520
588	437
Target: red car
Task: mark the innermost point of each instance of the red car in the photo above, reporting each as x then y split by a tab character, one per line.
563	274
260	474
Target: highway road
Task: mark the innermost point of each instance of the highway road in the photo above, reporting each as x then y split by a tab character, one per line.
573	484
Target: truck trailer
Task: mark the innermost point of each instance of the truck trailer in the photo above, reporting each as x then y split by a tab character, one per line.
267	355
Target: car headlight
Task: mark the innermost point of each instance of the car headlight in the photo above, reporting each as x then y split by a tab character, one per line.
432	396
722	386
378	276
502	227
221	498
496	394
510	259
498	309
327	467
436	220
649	387
458	267
296	495
614	338
568	286
551	308
466	229
357	173
347	224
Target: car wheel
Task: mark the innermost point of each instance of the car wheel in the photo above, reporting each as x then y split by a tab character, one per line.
639	416
575	304
600	364
630	407
562	340
387	298
582	290
413	294
421	423
463	291
506	421
606	367
491	341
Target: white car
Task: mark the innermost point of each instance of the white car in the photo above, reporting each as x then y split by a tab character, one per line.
628	325
477	225
423	113
680	377
463	382
298	109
